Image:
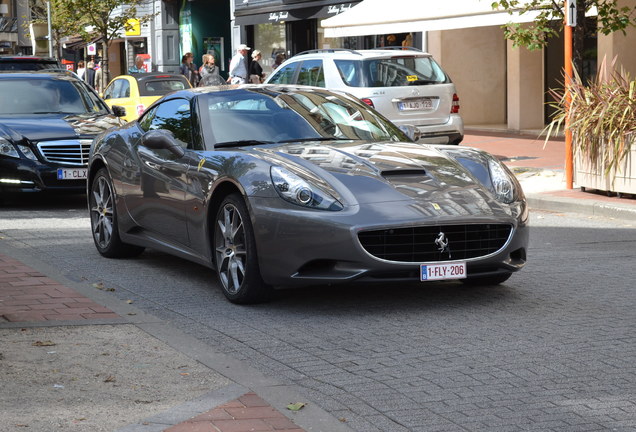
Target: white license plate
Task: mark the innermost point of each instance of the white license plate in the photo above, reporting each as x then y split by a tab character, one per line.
448	271
72	173
417	104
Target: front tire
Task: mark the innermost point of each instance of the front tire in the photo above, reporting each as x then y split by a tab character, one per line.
104	224
235	254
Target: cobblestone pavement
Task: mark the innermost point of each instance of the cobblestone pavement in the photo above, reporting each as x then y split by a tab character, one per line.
551	350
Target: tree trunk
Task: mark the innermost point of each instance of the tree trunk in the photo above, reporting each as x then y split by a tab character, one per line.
105	62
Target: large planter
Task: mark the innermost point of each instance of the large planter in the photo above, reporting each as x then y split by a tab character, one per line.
620	180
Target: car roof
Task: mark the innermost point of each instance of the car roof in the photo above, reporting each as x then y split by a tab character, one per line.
21	58
382	52
50	73
258	88
154	75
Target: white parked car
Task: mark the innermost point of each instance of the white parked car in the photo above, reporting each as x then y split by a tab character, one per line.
406	86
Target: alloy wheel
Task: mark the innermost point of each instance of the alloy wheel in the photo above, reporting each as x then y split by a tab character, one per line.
102	212
230	248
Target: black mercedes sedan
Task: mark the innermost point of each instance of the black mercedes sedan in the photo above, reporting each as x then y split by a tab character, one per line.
282	186
48	120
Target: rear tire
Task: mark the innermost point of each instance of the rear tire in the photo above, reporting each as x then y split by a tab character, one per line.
235	254
487	280
104	223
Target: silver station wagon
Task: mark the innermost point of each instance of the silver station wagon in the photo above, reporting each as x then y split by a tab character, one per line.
406	86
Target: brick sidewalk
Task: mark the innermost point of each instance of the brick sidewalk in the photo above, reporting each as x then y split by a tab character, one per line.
245	414
26	295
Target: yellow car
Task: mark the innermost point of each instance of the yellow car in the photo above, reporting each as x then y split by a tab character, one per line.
136	92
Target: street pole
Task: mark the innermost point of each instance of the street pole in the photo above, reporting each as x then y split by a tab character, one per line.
570	21
48	19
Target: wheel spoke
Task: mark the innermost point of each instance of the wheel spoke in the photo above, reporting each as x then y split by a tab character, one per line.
231	255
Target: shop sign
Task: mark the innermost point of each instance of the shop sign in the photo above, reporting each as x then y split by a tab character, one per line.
278	16
338	9
133	27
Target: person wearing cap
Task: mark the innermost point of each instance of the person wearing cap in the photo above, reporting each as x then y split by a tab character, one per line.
238	65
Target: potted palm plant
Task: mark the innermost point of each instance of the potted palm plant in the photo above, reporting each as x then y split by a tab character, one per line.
602	119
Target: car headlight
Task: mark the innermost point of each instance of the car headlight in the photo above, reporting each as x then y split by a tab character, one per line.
299	191
26	151
7	149
503	184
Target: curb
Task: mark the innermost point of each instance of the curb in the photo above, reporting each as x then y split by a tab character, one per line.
243	377
588	207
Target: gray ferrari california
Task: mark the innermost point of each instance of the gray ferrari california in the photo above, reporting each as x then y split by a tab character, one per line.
278	186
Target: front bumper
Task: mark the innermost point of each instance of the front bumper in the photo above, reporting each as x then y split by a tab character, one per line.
451	132
20	175
311	247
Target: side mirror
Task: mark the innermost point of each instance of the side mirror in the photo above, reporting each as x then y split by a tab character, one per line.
162	140
119	111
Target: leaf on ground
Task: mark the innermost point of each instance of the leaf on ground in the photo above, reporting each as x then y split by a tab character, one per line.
43	343
110	378
297	406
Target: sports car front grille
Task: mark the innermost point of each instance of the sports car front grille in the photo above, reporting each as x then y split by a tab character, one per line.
66	152
417	244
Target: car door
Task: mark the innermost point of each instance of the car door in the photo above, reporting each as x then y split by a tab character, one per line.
159	204
123	91
285	74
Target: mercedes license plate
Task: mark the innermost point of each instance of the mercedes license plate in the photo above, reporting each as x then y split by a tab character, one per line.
416	104
72	173
456	270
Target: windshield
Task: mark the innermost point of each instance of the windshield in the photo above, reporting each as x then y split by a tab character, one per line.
294	115
46	95
391	72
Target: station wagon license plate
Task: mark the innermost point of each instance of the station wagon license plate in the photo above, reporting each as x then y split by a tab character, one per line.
456	270
416	104
72	173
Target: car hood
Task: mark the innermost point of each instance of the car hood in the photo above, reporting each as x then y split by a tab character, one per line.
391	172
39	127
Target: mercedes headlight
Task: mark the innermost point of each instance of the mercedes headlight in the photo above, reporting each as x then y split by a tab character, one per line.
293	188
7	149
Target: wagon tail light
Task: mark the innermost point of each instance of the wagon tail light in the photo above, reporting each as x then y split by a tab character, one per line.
140	109
368	102
455	105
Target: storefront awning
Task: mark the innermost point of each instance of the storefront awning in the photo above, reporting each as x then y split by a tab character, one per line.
402	16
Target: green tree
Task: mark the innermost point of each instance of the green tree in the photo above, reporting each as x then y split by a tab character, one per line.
103	19
61	25
611	17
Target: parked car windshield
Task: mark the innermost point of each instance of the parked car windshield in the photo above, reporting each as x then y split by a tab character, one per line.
293	116
45	95
391	72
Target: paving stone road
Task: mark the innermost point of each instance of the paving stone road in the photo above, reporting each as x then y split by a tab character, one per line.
551	350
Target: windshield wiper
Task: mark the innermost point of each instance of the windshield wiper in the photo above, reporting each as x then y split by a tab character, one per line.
241	143
424	82
315	139
52	112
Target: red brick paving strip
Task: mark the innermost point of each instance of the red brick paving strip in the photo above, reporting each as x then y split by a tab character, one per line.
26	295
249	413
